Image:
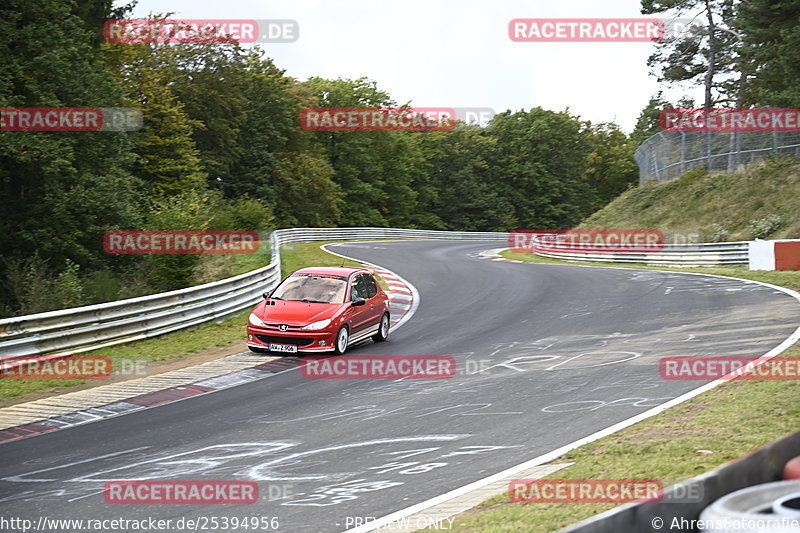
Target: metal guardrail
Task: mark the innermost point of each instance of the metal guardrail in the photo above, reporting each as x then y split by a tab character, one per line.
698	254
76	330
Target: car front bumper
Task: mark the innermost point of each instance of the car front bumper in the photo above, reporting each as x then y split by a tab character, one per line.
306	341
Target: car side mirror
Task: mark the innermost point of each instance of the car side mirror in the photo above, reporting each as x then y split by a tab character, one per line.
358	301
267	294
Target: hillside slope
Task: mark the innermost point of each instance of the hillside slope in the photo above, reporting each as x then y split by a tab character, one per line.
758	201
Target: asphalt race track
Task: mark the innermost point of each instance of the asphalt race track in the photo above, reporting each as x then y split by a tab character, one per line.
546	354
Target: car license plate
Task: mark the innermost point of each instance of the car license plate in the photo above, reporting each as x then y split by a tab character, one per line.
290	348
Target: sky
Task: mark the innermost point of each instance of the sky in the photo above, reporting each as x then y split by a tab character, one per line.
453	53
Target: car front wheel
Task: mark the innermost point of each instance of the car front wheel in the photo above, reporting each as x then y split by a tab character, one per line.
383	329
341	340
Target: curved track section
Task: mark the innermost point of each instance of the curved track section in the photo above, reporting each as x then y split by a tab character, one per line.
547	354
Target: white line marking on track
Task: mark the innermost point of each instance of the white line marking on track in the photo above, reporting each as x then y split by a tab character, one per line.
555	454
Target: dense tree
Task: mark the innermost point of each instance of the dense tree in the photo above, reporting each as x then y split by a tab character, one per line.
208	78
611	168
647	124
168	159
772	41
460	194
707	53
743	53
538	167
60	190
373	168
307	196
222	148
273	104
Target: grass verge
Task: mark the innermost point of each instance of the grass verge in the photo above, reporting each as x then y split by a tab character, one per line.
181	344
758	201
730	420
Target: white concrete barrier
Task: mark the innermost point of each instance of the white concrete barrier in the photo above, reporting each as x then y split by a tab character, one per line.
774	255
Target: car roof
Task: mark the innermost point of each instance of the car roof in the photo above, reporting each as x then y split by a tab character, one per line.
333	271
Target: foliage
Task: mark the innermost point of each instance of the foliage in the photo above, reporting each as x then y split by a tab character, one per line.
221	148
766	226
743	53
772	39
707	52
611	168
539	167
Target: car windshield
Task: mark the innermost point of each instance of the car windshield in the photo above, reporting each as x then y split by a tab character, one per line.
312	288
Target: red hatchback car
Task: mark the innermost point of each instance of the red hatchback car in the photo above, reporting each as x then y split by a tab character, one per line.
320	309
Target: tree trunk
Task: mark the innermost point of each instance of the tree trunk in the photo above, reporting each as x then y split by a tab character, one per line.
712	56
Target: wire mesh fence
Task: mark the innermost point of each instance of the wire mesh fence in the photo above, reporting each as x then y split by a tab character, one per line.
668	154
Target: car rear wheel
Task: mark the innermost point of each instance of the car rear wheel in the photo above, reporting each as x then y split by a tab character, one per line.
341	340
383	329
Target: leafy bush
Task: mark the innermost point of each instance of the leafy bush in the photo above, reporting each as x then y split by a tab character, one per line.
36	287
720	234
102	286
213	268
240	214
765	226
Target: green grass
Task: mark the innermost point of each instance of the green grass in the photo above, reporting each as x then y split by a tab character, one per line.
187	342
296	256
248	262
763	198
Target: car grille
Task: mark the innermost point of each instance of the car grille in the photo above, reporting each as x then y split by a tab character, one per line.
297	341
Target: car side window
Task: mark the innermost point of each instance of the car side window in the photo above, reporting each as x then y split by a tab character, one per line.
372	286
359	289
354	289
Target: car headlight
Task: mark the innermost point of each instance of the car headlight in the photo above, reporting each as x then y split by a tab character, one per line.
253	319
319	324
